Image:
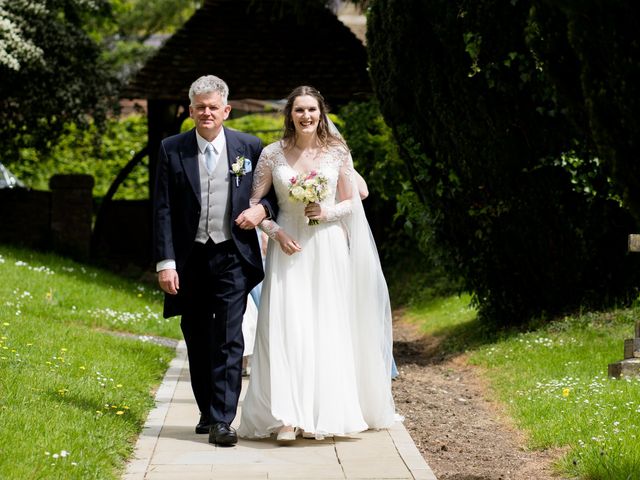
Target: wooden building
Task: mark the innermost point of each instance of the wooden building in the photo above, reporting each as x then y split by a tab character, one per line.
262	49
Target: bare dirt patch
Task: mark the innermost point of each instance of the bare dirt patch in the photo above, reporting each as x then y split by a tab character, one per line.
460	431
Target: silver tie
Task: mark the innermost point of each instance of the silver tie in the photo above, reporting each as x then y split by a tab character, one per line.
209	158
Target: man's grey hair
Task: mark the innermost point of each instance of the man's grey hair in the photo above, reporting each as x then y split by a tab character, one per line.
209	84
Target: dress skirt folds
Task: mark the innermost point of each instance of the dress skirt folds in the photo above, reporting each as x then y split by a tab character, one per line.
318	363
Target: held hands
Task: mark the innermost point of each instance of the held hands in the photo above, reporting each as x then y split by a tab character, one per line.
251	217
168	280
314	212
287	244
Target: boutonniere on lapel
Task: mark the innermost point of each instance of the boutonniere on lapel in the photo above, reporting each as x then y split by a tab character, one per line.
240	168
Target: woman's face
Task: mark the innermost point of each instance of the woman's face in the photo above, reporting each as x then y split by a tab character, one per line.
305	114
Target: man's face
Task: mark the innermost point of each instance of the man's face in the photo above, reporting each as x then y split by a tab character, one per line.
208	113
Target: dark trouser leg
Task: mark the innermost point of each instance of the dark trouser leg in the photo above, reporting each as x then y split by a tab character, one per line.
230	291
195	331
215	288
195	325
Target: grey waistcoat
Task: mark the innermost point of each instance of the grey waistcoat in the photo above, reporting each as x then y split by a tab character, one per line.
214	200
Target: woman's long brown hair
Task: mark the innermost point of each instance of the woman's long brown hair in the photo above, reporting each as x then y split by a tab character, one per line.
325	137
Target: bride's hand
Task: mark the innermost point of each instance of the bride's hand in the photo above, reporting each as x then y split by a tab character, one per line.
314	211
287	244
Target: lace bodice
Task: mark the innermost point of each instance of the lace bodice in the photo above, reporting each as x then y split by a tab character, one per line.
324	315
272	169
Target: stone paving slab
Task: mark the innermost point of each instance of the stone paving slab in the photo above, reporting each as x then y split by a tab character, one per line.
169	449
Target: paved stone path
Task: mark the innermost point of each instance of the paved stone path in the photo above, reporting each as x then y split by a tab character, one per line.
168	448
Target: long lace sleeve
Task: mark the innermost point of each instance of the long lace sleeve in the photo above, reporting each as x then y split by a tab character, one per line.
262	181
343	206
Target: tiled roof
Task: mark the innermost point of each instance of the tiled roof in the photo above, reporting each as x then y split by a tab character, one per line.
259	53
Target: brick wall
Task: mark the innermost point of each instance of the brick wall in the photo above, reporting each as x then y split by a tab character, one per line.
58	220
61	221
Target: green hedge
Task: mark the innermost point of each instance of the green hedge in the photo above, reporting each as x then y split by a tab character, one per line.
87	150
103	153
489	153
592	57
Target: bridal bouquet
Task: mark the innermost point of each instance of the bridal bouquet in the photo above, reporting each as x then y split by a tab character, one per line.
308	188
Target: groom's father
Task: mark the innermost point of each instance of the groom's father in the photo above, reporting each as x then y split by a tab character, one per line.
207	264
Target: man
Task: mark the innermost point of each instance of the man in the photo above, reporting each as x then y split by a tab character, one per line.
207	262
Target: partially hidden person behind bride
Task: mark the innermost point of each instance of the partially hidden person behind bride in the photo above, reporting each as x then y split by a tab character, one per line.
323	350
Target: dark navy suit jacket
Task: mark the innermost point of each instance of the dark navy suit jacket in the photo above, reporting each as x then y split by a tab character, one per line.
176	205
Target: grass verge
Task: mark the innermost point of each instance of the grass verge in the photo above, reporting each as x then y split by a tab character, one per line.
554	382
72	396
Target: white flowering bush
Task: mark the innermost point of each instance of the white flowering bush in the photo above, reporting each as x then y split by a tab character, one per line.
52	70
16	46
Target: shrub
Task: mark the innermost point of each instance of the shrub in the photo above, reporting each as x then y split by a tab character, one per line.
593	65
92	151
266	126
411	261
483	138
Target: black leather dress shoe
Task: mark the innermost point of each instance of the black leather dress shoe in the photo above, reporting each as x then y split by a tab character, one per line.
222	434
204	425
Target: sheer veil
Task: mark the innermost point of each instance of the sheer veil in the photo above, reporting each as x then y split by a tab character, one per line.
371	309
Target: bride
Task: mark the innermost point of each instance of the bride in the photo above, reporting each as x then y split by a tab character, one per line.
322	354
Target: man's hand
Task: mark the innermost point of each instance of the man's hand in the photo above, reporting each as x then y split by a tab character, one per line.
251	217
168	280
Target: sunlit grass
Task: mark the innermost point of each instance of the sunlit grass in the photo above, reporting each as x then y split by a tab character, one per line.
554	382
72	396
438	316
64	291
452	320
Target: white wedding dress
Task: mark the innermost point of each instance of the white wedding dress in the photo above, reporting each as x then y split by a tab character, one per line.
322	353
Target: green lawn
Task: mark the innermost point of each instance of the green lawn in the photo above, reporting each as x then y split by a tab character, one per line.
73	397
554	382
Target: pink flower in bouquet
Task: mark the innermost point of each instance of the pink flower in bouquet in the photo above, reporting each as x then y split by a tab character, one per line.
311	187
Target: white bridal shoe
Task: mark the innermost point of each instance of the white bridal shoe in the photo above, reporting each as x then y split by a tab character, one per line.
314	436
287	434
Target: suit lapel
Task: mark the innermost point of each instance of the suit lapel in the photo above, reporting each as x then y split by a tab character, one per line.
234	149
189	158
